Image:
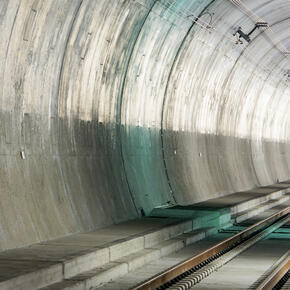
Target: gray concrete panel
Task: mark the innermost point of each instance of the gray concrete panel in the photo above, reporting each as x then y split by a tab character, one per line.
110	107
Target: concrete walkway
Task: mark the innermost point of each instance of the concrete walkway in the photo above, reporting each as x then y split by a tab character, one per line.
46	263
86	260
240	273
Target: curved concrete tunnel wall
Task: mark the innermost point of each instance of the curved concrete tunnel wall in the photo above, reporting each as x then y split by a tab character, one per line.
122	105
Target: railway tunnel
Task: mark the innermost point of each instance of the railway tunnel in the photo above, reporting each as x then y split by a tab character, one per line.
118	111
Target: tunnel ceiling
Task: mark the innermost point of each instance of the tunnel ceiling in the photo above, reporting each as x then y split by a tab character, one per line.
110	108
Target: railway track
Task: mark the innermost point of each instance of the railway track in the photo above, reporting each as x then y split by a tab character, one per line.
278	276
190	272
284	283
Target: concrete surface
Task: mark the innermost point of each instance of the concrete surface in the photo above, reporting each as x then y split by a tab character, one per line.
86	260
110	107
94	257
131	279
243	271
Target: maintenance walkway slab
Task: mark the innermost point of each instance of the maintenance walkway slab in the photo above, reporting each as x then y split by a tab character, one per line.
86	260
234	199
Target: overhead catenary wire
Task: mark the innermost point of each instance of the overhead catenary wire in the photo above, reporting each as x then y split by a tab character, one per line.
188	12
197	20
185	13
244	9
253	16
269	31
175	9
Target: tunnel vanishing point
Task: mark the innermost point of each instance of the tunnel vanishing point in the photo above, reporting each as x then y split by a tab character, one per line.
110	108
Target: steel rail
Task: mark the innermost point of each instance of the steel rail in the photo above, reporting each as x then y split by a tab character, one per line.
173	272
276	275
